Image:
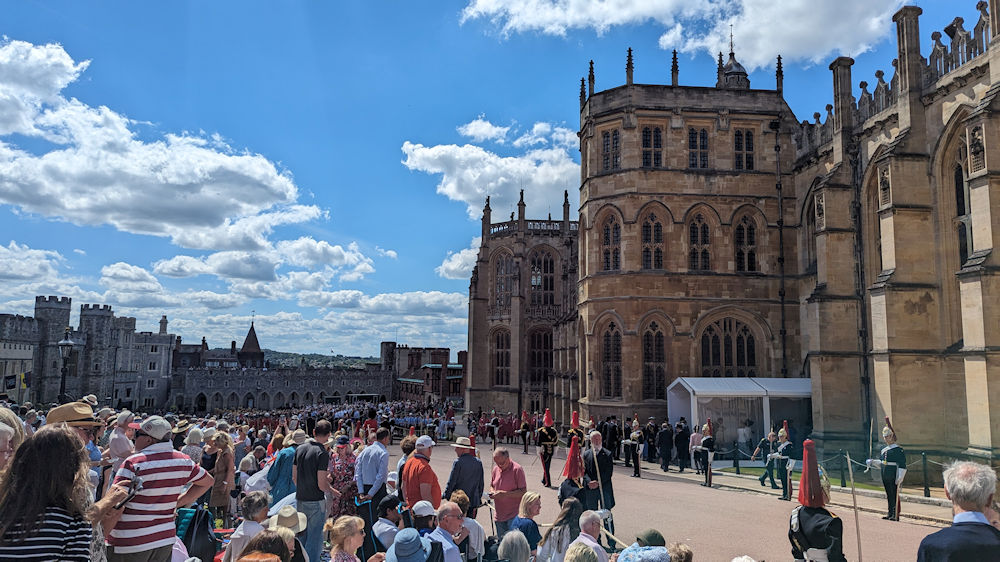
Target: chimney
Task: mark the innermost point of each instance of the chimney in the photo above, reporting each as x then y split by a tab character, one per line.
232	347
163	325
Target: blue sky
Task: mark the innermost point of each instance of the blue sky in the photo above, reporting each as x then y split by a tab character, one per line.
324	164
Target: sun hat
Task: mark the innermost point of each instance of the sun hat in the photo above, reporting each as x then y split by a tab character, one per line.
90	399
408	546
342	440
423	508
105	413
181	427
462	443
651	537
425	441
124	418
73	414
290	518
297	437
209	432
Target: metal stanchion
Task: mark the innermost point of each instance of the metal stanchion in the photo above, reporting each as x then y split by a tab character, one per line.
843	463
927	488
736	459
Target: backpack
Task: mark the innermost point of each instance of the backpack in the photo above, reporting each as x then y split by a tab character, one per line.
200	539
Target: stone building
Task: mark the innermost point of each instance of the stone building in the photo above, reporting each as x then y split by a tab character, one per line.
204	380
426	374
720	237
18	340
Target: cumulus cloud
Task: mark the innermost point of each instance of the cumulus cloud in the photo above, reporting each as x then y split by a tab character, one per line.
803	30
391	254
207	194
458	265
416	303
481	130
18	262
470	173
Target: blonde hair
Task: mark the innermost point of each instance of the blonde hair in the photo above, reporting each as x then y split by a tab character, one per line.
221	440
526	499
680	552
580	552
286	534
8	417
343	528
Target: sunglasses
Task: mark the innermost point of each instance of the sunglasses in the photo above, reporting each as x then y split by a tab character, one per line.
139	434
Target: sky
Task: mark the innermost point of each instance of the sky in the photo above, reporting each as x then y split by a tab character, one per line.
320	167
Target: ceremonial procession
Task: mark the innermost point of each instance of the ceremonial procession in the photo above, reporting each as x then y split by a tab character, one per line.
516	281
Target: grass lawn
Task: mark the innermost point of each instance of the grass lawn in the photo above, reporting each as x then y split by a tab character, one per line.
835	480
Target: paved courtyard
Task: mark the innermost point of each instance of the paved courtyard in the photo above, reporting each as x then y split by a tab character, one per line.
734	519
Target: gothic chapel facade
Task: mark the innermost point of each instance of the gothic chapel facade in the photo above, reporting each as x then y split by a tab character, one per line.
720	237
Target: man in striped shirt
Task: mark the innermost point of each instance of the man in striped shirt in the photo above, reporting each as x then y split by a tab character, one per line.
146	532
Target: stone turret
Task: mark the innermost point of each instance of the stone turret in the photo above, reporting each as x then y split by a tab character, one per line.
163	324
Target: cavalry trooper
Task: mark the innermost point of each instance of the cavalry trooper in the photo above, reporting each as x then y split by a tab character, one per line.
547	440
815	532
893	465
783	461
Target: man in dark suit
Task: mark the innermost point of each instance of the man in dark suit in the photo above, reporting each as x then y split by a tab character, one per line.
970	487
598	467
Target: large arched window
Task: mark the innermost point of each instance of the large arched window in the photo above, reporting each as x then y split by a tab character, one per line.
543	278
654	363
503	280
652	147
500	355
652	243
728	349
745	242
699	242
611	362
809	234
697	148
611	151
611	239
539	356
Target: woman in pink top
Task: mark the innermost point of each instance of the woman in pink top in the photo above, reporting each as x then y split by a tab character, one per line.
695	441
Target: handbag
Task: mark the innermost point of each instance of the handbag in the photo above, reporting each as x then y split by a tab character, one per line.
200	539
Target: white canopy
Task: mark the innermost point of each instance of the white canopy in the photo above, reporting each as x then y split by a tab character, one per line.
684	393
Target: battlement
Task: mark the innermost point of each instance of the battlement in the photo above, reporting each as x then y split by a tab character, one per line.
96	309
53	302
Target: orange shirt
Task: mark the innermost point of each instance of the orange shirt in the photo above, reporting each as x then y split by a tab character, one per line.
417	471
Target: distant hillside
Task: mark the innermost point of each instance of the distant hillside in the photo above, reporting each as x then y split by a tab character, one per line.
283	359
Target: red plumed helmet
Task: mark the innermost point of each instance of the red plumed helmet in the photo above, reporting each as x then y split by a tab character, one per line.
575	419
592	425
711	432
548	418
810	485
574	460
413	430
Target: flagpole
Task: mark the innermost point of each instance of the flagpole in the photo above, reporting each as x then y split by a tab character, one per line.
854	497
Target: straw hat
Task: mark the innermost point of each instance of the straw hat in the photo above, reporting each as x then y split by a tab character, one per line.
288	517
74	414
181	426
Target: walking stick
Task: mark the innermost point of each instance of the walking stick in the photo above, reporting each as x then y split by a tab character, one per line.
854	497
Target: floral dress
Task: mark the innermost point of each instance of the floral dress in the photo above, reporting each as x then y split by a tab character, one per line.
342	472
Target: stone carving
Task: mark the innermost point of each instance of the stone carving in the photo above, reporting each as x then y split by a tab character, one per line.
883	187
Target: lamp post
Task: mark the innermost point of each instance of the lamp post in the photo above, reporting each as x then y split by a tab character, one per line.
65	349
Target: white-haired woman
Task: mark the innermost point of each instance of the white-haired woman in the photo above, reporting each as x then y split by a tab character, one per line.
254	507
514	547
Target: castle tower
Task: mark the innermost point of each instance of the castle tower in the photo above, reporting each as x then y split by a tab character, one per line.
52	314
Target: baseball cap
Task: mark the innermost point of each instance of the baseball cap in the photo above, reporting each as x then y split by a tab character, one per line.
425	441
423	508
155	427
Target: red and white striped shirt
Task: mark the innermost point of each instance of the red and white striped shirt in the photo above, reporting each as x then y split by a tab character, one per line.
148	519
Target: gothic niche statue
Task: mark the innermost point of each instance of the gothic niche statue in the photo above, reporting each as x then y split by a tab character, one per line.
883	186
820	221
977	152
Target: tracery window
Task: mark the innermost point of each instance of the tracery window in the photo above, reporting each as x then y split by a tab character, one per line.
745	242
611	153
503	280
652	147
652	243
963	219
543	279
728	349
699	243
539	356
654	363
611	362
743	149
697	148
501	358
611	238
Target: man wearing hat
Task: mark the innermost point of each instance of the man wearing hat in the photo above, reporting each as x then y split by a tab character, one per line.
893	465
547	441
575	430
419	480
409	546
782	458
466	474
146	529
90	399
815	533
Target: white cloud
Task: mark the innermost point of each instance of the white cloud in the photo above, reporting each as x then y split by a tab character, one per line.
470	173
480	130
391	254
537	135
416	303
79	251
191	188
458	265
804	30
18	262
308	252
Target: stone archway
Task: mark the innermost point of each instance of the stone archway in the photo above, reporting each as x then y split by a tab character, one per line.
200	403
308	399
279	400
265	400
233	401
293	399
217	401
248	401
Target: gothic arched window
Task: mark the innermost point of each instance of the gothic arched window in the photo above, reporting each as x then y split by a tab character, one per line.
728	349
745	242
539	357
543	278
611	238
503	280
500	355
611	363
699	242
743	149
652	147
652	243
963	219
654	363
611	150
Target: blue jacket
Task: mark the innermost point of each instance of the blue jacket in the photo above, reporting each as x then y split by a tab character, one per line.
961	541
279	476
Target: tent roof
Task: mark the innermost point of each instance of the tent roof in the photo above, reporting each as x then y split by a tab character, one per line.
741	386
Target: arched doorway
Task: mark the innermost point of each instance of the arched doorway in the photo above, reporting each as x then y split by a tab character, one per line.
200	403
233	401
248	401
216	401
308	398
265	400
279	400
293	400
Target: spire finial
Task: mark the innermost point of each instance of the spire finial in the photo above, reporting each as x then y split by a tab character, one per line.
780	75
583	93
566	197
628	67
590	79
253	316
731	50
674	70
522	197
